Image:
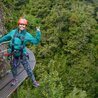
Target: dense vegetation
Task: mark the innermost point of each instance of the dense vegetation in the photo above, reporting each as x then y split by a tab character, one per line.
67	57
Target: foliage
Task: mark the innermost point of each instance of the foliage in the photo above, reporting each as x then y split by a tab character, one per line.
67	56
76	93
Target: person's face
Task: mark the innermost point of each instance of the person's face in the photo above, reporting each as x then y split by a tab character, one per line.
22	27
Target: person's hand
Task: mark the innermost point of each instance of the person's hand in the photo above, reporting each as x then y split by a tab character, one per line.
0	35
38	28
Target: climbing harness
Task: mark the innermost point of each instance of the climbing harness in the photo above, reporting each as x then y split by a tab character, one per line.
16	59
13	50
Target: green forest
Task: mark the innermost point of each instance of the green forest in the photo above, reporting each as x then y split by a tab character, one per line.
67	56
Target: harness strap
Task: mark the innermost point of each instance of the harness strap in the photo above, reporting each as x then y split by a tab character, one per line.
22	43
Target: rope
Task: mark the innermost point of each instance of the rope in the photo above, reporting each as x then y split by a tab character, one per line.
4	51
4	43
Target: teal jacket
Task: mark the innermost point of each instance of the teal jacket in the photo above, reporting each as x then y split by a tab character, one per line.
17	42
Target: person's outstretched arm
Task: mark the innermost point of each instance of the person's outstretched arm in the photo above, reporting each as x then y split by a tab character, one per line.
6	37
37	38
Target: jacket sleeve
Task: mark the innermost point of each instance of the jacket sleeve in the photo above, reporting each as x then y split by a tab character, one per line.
7	37
35	40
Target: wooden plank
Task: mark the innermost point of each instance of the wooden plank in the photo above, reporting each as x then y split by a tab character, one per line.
6	90
7	78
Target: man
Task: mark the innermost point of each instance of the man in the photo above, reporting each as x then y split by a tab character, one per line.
18	39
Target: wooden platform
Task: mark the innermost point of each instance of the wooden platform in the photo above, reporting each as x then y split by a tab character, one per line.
5	83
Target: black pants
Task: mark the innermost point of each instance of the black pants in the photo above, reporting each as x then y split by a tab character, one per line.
16	61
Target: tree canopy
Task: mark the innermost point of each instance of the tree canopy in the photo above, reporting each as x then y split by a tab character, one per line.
67	60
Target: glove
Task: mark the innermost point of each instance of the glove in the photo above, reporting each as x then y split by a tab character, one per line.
38	28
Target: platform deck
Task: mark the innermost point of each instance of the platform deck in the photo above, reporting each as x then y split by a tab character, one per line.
5	83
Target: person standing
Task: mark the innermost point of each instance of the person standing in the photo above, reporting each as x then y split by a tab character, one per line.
18	39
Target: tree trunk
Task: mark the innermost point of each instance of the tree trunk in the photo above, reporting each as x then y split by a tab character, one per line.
1	19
